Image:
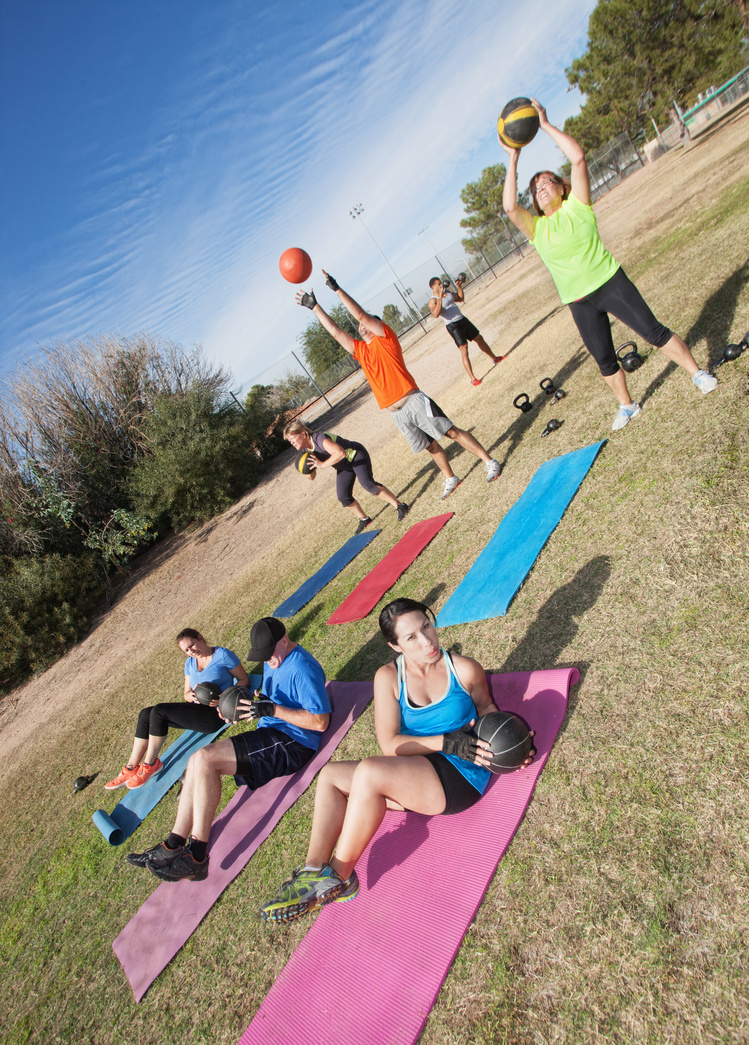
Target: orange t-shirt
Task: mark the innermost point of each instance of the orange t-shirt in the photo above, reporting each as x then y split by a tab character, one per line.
382	363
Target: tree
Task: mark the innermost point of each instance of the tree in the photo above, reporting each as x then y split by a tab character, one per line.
321	350
482	201
391	315
642	54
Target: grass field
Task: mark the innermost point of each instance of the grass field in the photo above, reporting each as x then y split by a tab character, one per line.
621	910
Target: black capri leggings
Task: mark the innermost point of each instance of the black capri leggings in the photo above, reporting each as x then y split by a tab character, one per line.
349	471
622	299
156	720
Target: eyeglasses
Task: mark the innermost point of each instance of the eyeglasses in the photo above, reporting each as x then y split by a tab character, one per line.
544	183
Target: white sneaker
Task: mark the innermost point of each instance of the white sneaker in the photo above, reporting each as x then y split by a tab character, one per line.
705	382
450	484
493	470
624	415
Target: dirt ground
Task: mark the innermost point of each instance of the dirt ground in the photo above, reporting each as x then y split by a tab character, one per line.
169	585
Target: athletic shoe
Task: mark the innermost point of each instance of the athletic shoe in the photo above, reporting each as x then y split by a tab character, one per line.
155	853
624	416
307	889
451	484
142	773
351	891
181	864
475	382
363	524
493	470
403	510
121	779
705	382
498	359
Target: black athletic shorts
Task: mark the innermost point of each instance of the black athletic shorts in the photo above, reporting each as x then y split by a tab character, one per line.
462	331
459	794
265	753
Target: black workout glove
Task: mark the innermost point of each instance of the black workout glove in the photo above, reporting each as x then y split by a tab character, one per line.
462	742
308	300
260	708
330	282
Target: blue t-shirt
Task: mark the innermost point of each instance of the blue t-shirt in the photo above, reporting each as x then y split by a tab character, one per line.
219	669
298	683
454	709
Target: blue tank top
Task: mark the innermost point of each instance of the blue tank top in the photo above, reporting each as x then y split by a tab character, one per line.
453	710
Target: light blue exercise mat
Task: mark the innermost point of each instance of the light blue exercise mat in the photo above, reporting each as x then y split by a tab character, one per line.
490	585
135	805
326	573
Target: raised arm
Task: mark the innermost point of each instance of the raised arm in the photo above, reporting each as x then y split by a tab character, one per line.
373	325
435	301
579	177
521	218
308	300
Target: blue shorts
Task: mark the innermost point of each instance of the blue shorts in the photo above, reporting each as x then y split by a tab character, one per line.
265	753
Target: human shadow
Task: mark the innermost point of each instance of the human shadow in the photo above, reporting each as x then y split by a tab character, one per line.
715	321
535	327
557	622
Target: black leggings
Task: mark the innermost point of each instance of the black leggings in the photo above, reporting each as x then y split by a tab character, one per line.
347	474
155	721
622	299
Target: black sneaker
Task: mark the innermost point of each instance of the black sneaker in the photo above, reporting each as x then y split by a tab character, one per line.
156	853
403	510
181	864
363	524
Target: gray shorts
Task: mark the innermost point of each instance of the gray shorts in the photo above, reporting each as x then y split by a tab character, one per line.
421	420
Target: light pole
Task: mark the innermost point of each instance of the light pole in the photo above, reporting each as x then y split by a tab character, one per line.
423	232
356	212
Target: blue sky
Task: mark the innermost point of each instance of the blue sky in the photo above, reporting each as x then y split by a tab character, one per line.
157	157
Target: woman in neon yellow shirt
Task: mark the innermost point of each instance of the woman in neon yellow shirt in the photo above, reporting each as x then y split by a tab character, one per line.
564	231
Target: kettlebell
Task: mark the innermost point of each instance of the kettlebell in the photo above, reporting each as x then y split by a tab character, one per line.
80	784
552	426
631	361
731	352
547	386
522	402
559	394
461	277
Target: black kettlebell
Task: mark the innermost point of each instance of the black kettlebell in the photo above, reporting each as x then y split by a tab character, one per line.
446	284
461	277
547	386
80	784
552	426
631	361
731	352
559	394
522	402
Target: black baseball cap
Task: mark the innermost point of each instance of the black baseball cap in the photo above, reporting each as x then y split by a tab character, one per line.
264	636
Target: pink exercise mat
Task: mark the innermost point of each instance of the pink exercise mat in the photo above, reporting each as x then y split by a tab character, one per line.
369	970
175	909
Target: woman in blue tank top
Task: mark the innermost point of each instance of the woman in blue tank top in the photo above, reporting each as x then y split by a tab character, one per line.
432	762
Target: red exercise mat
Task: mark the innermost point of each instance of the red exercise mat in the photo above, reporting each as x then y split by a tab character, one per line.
371	588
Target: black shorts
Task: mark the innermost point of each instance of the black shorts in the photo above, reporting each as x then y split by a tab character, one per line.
462	331
459	794
265	753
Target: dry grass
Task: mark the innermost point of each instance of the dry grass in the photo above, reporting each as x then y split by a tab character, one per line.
621	911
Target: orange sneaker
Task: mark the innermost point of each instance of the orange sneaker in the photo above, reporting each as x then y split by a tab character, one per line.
121	779
143	773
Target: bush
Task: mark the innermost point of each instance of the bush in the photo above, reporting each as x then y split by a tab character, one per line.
45	605
202	458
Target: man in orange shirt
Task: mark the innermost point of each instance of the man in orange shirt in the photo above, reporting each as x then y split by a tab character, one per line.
417	416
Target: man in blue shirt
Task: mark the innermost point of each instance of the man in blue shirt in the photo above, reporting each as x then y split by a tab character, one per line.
292	713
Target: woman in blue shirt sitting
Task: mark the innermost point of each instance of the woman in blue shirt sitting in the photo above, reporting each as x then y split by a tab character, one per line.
425	703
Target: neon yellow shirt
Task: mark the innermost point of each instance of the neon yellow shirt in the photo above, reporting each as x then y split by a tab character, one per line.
570	246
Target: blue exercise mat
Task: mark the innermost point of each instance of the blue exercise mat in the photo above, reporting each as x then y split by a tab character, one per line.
325	574
490	585
135	805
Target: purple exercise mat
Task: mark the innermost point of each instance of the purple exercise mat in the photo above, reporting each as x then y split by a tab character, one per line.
173	911
369	970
